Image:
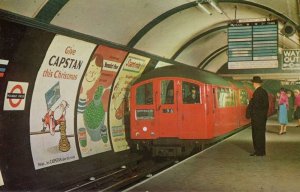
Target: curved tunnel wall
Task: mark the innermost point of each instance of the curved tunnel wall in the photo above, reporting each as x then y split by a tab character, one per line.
49	91
63	104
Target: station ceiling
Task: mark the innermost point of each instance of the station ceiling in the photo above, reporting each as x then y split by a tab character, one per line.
174	30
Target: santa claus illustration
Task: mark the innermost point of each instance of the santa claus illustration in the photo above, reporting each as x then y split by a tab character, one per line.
54	117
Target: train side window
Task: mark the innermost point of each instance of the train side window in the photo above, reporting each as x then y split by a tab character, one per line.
167	92
144	94
243	97
225	97
190	93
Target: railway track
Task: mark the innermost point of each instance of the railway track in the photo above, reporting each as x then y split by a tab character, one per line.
128	175
122	177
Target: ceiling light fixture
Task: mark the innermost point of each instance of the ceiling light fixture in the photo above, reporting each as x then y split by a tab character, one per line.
215	6
203	8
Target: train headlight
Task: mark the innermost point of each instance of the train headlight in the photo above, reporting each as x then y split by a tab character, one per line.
152	133
137	134
145	129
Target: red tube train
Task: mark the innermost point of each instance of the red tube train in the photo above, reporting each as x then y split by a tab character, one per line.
176	109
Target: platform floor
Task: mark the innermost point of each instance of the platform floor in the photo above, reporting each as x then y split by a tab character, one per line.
227	166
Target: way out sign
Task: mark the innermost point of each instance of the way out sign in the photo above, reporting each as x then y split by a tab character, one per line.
15	96
291	59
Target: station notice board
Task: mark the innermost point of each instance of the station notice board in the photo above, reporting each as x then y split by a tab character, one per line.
253	45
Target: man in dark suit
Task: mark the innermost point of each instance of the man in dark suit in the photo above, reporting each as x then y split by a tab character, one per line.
258	108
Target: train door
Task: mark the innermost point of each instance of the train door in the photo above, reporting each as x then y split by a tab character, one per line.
243	102
239	108
226	112
192	111
167	109
211	110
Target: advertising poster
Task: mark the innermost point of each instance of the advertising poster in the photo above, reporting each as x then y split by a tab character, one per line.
291	59
132	68
15	96
92	109
52	121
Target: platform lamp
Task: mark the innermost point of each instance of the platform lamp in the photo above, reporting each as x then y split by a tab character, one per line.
215	6
212	3
199	4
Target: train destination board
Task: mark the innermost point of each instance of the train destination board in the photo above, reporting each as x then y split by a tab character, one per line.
253	45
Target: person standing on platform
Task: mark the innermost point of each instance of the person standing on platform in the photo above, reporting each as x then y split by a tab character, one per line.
258	108
290	110
297	106
276	103
283	107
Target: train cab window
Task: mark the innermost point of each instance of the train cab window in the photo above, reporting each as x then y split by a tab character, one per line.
190	93
225	97
167	92
144	94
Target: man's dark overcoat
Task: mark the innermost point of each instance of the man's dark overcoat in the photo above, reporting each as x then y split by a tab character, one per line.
258	109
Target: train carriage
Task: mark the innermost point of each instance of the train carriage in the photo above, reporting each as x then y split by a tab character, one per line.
242	100
175	109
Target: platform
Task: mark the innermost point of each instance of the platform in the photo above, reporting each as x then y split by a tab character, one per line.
227	166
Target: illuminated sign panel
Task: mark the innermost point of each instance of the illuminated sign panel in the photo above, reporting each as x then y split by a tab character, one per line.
253	45
291	59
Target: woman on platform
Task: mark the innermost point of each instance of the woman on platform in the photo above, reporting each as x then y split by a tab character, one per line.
297	106
283	107
291	109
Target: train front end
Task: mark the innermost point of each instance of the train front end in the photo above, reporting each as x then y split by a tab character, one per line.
164	118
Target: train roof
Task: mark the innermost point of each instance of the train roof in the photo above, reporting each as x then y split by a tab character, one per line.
240	84
184	72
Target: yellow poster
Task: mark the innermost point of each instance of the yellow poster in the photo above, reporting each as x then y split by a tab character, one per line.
132	68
